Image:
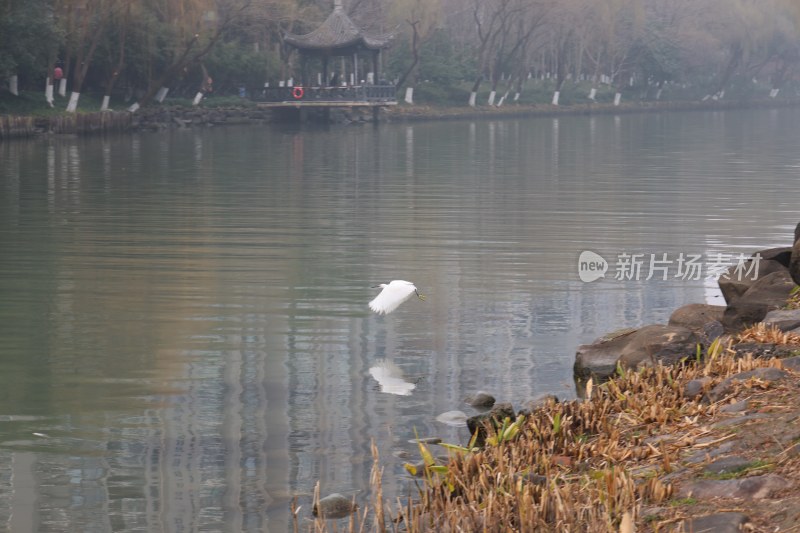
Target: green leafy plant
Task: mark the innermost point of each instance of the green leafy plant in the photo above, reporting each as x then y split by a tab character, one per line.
507	431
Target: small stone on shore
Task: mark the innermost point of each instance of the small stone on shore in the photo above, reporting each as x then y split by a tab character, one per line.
730	522
694	388
736	407
727	465
749	488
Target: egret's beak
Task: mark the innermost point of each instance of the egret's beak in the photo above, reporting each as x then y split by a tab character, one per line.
421	297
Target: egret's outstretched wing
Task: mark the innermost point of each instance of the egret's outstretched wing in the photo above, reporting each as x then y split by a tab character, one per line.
392	295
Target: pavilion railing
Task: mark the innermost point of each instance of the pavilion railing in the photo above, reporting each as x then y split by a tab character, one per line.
358	93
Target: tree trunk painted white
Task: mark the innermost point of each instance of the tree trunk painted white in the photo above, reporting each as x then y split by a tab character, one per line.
617	98
106	100
556	96
72	106
658	93
516	97
197	98
161	94
62	87
319	79
472	96
492	94
48	92
409	99
281	83
13	85
500	102
774	92
290	82
134	107
592	93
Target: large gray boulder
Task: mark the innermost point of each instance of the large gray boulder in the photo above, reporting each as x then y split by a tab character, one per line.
599	358
733	285
783	319
697	317
794	263
634	348
723	388
766	294
659	344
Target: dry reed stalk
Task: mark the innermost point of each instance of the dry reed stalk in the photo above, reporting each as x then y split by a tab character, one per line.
375	482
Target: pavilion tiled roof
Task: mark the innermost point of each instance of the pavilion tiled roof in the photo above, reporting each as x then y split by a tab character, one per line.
338	31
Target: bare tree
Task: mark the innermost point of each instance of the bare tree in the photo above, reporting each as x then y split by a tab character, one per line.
503	29
121	22
422	18
615	27
195	31
90	19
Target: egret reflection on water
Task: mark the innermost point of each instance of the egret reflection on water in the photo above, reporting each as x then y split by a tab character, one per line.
393	294
390	378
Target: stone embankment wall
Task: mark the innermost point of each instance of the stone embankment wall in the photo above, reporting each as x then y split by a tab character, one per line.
113	121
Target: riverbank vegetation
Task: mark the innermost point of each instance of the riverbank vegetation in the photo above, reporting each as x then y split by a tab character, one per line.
96	54
632	455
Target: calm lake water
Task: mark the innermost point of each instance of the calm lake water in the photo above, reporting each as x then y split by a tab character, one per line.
185	342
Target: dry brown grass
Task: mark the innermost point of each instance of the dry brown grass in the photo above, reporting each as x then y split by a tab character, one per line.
767	334
585	465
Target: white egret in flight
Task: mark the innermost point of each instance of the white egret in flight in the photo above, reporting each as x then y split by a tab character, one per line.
393	294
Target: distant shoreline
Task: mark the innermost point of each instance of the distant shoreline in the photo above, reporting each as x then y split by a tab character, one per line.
176	117
423	112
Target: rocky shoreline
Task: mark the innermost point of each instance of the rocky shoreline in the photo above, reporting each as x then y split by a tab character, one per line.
687	426
146	119
755	291
425	112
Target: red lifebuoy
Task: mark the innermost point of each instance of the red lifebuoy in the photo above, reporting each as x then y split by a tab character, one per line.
298	93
